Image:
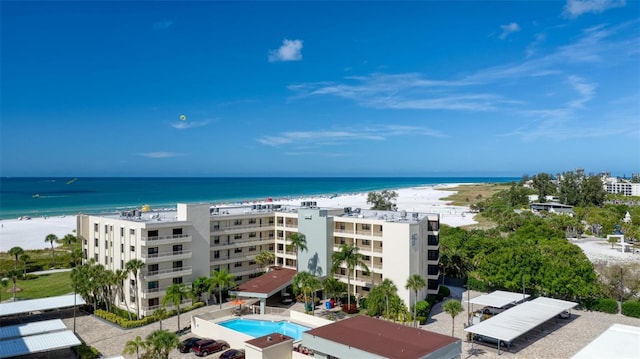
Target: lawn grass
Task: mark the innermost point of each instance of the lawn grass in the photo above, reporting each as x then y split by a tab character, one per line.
467	195
46	285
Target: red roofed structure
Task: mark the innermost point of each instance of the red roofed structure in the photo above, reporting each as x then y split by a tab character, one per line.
266	285
366	337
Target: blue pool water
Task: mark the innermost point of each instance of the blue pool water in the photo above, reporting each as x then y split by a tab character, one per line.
258	328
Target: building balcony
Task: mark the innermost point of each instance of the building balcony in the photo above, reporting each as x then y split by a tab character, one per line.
147	310
242	229
176	238
167	273
156	292
165	256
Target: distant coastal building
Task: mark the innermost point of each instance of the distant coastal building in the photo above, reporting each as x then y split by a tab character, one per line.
552	207
180	246
616	186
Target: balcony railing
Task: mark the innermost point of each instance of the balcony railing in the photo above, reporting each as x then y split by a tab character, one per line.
163	239
164	254
164	272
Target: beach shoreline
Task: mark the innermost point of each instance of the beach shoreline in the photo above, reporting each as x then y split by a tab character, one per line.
30	233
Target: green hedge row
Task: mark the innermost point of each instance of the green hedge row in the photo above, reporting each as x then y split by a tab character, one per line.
443	292
607	306
631	308
129	324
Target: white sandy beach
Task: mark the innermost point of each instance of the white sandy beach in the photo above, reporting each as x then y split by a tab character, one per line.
30	234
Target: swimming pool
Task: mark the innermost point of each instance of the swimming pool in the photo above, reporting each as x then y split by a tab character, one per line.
258	328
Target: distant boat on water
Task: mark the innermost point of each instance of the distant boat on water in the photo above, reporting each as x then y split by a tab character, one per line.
72	180
36	196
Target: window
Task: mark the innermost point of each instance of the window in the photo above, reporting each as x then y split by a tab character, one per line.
153	268
252	263
85	241
121	247
238	278
152	285
153	233
121	231
121	264
216	239
252	249
106	244
95	256
216	227
216	254
132	232
252	235
238	264
238	250
366	227
270	234
366	258
132	282
154	302
342	241
237	222
96	242
271	247
271	220
252	221
177	264
237	236
133	248
177	248
366	242
177	280
433	225
152	251
216	268
432	255
96	227
177	231
106	229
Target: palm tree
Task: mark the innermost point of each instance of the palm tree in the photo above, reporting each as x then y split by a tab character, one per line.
133	266
68	240
298	242
120	277
453	307
16	252
134	346
160	313
415	283
76	257
333	287
175	294
349	256
24	258
221	279
388	288
160	342
305	283
264	259
13	275
51	238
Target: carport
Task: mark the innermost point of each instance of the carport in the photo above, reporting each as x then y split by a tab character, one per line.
265	286
499	299
42	304
514	322
35	337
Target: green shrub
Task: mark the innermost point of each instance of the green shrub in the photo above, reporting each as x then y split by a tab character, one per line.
432	300
31	276
631	308
84	351
443	292
477	285
123	313
607	305
421	319
363	303
423	308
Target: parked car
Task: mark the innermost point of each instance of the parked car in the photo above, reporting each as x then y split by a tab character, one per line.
186	344
564	315
232	354
287	298
205	347
494	341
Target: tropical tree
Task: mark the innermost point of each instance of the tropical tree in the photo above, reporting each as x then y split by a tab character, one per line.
453	307
134	346
297	242
24	258
388	289
543	184
51	239
160	343
264	259
160	313
382	201
4	282
332	287
120	278
175	294
13	276
16	252
221	279
415	282
133	266
76	257
200	286
348	256
68	240
305	283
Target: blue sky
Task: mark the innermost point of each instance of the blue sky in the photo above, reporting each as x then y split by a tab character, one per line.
319	89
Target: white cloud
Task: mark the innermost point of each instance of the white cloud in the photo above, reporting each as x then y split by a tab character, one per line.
183	125
584	89
164	24
160	154
575	8
508	29
308	139
291	50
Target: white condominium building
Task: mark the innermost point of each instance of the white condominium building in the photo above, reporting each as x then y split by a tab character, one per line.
180	246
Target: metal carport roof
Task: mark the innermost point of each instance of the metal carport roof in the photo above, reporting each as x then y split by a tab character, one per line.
38	343
520	319
619	341
33	305
499	298
22	330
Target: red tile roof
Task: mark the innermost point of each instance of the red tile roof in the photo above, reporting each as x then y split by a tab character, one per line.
268	282
383	338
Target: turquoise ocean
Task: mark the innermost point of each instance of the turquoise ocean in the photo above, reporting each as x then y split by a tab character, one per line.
68	196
